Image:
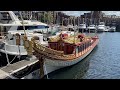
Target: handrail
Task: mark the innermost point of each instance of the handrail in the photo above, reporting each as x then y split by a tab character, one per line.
45	49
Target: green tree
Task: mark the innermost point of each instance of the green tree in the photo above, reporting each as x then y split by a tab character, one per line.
47	17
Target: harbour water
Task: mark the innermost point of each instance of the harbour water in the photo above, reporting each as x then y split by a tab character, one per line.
102	63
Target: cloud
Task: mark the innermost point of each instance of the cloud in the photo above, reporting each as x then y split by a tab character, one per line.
78	13
112	13
75	13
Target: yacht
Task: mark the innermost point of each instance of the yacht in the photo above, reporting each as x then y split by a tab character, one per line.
82	27
11	23
112	29
91	28
70	27
13	45
107	28
13	32
101	27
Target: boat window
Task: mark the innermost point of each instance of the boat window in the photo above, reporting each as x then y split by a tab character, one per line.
32	27
77	51
5	16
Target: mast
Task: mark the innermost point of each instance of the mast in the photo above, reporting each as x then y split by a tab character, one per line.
71	21
68	21
85	18
23	23
74	29
91	16
78	23
56	17
44	16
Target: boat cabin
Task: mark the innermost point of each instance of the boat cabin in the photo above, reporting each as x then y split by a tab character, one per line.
69	44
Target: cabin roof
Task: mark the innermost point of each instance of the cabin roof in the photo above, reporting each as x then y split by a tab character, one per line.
70	40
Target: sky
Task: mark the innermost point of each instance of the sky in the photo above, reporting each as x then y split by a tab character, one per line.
77	13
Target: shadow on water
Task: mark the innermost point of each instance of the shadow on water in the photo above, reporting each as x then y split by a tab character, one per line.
76	71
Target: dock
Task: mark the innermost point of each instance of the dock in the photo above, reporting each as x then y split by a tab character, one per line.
5	75
17	68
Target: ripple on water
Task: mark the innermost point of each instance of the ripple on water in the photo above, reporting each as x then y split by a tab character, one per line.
102	63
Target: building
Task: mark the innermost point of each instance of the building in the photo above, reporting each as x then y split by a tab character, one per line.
25	14
92	17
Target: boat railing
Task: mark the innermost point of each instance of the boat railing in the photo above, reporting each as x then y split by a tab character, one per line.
40	47
54	54
50	52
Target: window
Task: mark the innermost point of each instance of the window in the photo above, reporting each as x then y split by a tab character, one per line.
32	27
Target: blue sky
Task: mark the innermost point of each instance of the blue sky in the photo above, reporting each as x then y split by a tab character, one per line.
77	13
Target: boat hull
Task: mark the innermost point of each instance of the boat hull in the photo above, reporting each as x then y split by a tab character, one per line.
52	65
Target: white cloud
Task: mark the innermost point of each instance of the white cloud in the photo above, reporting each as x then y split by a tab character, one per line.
78	13
75	13
112	13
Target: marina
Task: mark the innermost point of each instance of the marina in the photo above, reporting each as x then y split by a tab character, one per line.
32	49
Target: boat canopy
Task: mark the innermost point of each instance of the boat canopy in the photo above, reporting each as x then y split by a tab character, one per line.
69	39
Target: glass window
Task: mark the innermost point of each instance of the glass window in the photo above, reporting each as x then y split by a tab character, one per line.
32	27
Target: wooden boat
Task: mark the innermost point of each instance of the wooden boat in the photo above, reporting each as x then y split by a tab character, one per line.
62	51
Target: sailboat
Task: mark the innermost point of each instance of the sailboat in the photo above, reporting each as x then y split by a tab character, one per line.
62	50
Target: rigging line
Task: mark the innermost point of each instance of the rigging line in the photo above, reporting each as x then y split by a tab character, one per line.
6	54
13	59
19	51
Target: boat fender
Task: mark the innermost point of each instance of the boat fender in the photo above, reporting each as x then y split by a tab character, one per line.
17	39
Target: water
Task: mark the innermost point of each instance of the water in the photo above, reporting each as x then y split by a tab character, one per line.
102	63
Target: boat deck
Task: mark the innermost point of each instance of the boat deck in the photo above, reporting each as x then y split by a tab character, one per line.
4	75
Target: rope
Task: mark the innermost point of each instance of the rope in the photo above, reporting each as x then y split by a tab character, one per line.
8	61
13	59
6	55
19	52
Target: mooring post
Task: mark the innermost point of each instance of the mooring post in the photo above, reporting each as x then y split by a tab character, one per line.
41	60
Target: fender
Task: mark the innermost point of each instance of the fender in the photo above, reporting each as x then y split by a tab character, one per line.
17	38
